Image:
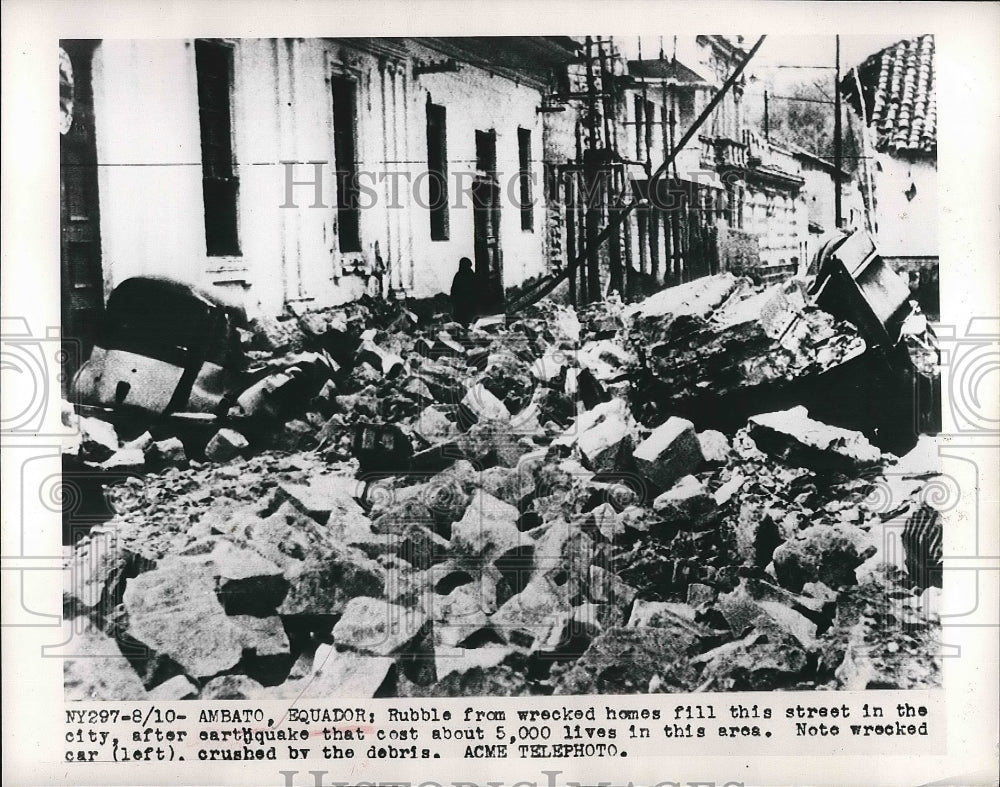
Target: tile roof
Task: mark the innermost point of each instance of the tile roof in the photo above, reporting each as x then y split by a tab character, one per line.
899	92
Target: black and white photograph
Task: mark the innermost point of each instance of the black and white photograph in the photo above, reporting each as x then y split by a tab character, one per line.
500	366
500	393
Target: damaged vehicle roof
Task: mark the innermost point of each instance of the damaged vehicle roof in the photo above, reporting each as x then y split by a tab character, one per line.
163	347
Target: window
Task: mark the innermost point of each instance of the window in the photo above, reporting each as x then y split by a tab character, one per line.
639	110
437	168
524	179
686	107
220	185
645	119
345	156
650	122
486	151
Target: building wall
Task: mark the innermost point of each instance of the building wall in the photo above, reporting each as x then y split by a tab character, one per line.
152	212
779	216
819	194
906	227
476	100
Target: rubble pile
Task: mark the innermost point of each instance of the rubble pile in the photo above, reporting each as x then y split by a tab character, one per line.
480	511
723	336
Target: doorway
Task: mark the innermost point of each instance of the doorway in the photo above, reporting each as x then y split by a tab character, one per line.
486	223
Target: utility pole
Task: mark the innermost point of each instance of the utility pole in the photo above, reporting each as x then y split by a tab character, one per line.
592	182
838	151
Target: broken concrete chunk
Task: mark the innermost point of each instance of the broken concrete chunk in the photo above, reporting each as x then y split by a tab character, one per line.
376	627
700	596
97	670
625	660
696	298
715	447
666	614
126	459
793	437
261	636
686	503
488	528
669	453
590	390
548	368
232	687
755	663
531	616
97	574
458	661
607	446
323	586
410	540
168	452
564	552
460	614
98	439
479	404
174	611
247	583
756	535
605	359
728	490
339	673
605	522
821	553
325	498
433	426
490	443
226	444
142	442
616	409
384	361
606	588
743	611
179	687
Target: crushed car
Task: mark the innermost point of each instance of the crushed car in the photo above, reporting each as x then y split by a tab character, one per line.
164	348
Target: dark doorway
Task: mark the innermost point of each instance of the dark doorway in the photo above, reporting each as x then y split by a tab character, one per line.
82	278
489	268
486	217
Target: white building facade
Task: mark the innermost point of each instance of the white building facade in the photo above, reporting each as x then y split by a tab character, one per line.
304	172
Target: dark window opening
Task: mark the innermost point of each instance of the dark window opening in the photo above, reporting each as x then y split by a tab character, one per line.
524	178
650	115
220	184
345	156
685	102
437	168
639	151
486	151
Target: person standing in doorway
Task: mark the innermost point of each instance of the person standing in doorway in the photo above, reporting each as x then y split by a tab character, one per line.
464	295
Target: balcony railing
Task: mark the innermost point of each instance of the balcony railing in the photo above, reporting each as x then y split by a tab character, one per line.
722	153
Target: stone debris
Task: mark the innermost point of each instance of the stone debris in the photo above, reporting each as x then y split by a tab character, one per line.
97	670
669	453
401	507
686	504
795	438
226	444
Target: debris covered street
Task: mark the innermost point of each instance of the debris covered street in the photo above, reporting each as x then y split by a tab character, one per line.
562	502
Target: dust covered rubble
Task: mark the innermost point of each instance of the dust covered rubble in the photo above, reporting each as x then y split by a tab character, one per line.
484	511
